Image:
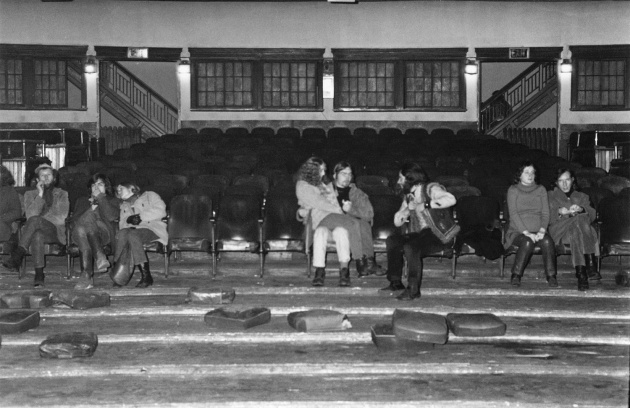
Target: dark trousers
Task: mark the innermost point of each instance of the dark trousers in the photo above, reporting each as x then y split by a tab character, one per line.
90	224
133	239
526	249
5	231
414	246
36	233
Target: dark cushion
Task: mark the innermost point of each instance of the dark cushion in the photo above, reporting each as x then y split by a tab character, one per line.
475	324
83	299
384	338
69	345
225	318
417	326
18	322
190	244
28	299
318	320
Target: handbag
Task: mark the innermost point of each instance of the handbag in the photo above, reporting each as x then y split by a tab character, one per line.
440	220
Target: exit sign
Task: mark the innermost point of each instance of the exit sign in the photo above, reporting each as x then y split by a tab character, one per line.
519	53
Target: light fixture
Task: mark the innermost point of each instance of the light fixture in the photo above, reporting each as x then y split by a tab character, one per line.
184	66
342	1
566	66
91	65
471	68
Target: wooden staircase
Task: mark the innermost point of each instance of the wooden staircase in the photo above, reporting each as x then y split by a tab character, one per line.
530	94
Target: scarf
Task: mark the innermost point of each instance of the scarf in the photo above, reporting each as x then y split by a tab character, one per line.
48	198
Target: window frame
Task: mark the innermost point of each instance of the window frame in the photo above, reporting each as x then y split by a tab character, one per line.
257	57
400	57
600	53
29	54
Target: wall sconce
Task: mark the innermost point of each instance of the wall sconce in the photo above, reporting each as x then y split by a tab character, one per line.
183	67
91	65
471	68
566	66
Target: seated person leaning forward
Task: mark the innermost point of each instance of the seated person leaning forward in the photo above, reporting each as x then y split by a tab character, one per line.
316	194
571	222
421	240
92	226
10	205
140	223
528	208
46	211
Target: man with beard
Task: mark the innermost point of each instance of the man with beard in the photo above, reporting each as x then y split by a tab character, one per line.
46	211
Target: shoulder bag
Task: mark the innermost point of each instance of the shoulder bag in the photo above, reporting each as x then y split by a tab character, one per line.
440	220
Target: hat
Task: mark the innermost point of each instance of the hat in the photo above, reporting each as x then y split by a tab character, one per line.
42	167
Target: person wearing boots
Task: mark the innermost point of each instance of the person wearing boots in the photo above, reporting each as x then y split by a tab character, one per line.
355	203
10	205
46	210
320	242
420	240
140	223
528	209
571	222
92	227
316	194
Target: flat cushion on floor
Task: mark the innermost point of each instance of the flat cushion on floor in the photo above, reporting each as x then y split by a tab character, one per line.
318	320
69	345
418	326
215	296
475	324
82	299
384	338
28	299
18	321
230	318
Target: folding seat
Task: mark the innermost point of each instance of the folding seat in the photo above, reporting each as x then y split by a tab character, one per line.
624	192
214	193
122	154
340	138
238	226
119	175
148	175
416	134
366	138
385	206
263	133
375	189
613	183
614	218
479	219
282	232
203	180
187	131
190	224
390	134
234	169
371	180
178	181
313	138
467	133
212	133
254	180
288	132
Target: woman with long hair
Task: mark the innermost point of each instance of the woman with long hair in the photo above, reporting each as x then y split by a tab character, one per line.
141	215
528	208
571	222
420	241
10	206
92	227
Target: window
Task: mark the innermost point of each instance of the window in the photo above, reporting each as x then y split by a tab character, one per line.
406	79
601	84
51	83
10	82
252	79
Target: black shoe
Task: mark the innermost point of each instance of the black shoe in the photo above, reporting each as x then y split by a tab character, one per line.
582	277
409	294
146	280
320	274
592	265
39	278
394	286
515	280
373	268
362	267
552	281
344	277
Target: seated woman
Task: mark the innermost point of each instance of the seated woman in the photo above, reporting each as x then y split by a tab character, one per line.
140	223
320	243
10	205
571	223
528	208
92	227
315	193
421	240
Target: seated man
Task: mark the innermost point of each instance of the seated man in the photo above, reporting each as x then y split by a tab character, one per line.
46	211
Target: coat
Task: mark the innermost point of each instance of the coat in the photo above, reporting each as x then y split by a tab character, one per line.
108	210
151	209
57	214
311	198
560	226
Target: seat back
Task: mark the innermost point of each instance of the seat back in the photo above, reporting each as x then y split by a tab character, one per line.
190	217
385	206
280	218
237	218
474	212
614	214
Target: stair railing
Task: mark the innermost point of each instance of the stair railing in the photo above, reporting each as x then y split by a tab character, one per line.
513	95
146	103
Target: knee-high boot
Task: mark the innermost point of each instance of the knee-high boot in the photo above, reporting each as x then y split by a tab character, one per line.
413	284
146	280
592	267
102	264
551	268
86	280
582	277
520	262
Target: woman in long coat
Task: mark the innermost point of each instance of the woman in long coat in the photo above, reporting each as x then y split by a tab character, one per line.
571	222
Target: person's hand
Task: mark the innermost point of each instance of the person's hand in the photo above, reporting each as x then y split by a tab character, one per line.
539	235
564	211
575	209
401	217
134	219
530	235
346	206
40	188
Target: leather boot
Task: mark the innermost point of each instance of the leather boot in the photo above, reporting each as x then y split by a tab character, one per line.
121	273
520	262
344	277
100	259
582	277
320	274
413	286
551	268
394	286
39	278
592	267
86	280
15	260
147	279
362	268
515	280
374	268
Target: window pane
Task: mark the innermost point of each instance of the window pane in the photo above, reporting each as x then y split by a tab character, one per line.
600	83
289	83
224	84
433	84
369	84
